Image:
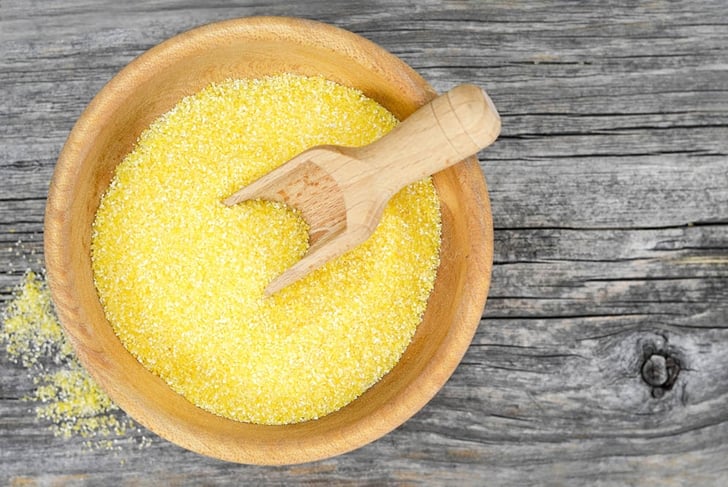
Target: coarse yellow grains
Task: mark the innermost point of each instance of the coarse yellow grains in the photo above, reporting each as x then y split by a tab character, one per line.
181	276
65	395
30	328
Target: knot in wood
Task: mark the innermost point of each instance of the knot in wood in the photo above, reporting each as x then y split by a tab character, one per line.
654	370
660	372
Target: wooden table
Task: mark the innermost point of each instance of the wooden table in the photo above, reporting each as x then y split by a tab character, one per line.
609	187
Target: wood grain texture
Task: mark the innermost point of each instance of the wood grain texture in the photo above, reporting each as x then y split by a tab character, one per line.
609	187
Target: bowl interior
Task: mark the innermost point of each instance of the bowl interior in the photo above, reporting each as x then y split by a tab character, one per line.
107	131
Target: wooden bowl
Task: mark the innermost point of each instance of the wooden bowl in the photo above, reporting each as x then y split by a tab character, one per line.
107	130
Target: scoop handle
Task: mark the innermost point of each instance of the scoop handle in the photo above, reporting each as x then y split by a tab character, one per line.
450	128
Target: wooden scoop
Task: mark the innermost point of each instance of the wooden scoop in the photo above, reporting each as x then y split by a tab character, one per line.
341	192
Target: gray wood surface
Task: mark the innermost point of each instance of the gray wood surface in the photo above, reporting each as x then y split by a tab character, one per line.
602	356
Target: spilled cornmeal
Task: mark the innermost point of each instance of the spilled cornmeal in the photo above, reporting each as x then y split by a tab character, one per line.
181	276
64	395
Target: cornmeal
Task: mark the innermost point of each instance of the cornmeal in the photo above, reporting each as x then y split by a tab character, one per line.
181	276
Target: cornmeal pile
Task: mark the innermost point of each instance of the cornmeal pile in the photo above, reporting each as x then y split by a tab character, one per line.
181	276
64	394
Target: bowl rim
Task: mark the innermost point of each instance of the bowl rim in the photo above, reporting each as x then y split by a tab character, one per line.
471	179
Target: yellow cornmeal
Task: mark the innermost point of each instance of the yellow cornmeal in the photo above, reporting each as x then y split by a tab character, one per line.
181	276
65	395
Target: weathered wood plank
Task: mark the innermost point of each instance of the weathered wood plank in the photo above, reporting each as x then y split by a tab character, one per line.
609	189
